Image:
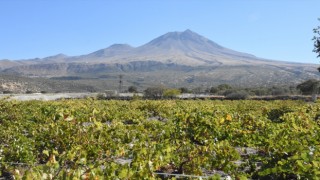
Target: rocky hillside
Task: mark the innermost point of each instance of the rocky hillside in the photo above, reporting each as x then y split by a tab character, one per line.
17	84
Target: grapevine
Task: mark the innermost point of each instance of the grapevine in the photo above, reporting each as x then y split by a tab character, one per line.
144	139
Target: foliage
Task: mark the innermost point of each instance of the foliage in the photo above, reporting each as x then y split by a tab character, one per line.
154	92
29	92
260	91
197	90
171	93
184	90
132	89
279	91
275	115
224	87
237	95
99	139
101	96
316	40
309	87
214	90
7	92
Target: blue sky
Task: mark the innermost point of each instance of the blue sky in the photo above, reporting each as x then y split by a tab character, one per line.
272	29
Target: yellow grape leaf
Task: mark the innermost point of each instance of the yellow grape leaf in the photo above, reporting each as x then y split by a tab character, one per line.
46	152
221	120
229	118
123	173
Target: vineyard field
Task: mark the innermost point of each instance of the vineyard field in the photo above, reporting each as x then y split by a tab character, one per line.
157	139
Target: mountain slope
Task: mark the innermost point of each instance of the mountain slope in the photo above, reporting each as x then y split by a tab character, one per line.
188	42
113	50
175	59
184	48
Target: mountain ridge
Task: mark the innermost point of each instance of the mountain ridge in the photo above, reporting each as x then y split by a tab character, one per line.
170	43
175	56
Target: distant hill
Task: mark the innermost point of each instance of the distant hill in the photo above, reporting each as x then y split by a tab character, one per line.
18	84
173	59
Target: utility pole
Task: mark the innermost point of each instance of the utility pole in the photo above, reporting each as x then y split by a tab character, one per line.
120	83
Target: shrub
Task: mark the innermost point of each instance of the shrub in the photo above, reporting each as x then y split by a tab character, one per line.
280	91
101	96
29	92
132	89
308	87
7	92
184	90
260	92
275	114
154	92
224	87
229	91
171	93
214	90
237	95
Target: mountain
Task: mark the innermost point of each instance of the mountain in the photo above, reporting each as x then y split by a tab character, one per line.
184	48
113	50
188	43
174	59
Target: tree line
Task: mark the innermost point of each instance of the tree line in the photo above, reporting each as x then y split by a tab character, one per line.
225	90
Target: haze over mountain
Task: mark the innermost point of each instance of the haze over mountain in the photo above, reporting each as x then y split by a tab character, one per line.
174	59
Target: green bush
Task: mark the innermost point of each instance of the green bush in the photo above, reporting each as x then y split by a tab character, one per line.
237	95
101	96
275	114
171	93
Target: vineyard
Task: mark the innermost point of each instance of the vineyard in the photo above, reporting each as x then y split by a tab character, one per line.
144	139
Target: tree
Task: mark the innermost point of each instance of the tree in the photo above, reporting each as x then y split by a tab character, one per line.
310	87
260	91
316	43
316	39
214	90
238	95
197	90
184	90
132	89
222	87
29	92
171	93
154	92
279	91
